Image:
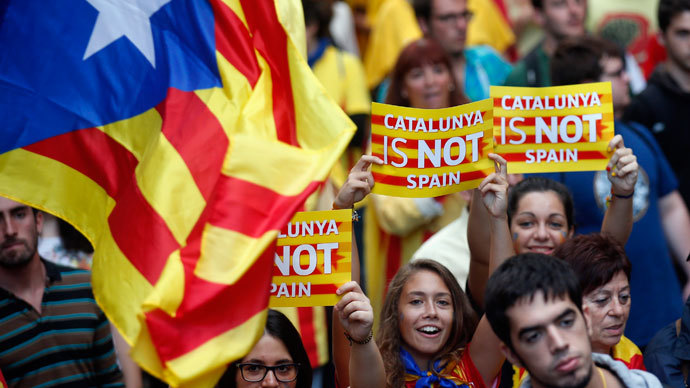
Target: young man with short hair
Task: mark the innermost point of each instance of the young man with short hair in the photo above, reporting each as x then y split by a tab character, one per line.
661	220
663	106
534	305
52	332
559	19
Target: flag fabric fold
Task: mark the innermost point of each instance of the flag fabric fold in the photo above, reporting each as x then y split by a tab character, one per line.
180	164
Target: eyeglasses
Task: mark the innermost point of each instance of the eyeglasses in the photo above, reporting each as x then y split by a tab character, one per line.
448	18
615	74
253	373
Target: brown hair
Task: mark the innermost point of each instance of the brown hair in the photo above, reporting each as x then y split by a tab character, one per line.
578	59
418	53
595	258
389	337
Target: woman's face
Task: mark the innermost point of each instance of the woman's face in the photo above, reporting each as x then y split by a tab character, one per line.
608	308
428	86
269	351
426	315
539	225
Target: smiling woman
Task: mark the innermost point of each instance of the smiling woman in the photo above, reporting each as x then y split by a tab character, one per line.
427	318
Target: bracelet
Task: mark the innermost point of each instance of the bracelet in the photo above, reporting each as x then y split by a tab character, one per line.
623	196
355	215
362	342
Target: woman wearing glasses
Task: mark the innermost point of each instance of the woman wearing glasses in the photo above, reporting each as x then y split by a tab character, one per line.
277	360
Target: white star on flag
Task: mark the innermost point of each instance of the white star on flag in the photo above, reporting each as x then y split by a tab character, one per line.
130	18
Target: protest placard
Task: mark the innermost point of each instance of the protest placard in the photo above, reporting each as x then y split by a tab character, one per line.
561	128
431	152
312	259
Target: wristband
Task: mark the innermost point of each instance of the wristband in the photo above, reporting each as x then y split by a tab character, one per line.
623	196
362	342
355	215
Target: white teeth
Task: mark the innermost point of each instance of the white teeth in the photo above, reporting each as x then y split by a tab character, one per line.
429	329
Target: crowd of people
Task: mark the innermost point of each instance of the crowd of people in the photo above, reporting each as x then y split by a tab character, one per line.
576	279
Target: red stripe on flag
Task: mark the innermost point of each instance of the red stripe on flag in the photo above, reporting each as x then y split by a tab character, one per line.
252	209
308	333
270	40
393	258
210	309
234	42
112	166
194	131
581	155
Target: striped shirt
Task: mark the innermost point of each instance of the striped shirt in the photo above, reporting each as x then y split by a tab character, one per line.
67	345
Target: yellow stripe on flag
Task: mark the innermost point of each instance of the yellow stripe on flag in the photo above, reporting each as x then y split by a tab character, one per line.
226	255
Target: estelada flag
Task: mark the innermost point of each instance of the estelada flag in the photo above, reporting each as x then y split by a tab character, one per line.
179	136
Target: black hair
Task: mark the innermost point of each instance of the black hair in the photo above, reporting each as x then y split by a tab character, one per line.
540	184
578	59
668	9
422	9
279	327
538	4
522	276
319	12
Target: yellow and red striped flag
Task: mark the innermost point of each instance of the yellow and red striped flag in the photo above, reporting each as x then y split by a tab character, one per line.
179	136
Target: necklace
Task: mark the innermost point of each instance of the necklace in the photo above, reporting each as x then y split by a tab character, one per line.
603	379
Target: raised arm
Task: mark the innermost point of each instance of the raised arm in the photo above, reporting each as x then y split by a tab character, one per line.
356	316
676	223
622	171
489	204
358	185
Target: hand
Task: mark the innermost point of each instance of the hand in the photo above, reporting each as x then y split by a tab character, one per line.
358	184
494	188
355	311
622	168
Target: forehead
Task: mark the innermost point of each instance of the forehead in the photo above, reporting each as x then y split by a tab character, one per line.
8	204
537	310
541	202
269	350
425	281
618	282
680	21
611	63
547	4
448	6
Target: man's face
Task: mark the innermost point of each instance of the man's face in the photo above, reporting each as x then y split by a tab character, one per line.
448	24
19	230
677	41
614	72
563	18
550	340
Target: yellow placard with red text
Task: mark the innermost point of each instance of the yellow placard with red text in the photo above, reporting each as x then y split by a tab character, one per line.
312	259
431	152
553	129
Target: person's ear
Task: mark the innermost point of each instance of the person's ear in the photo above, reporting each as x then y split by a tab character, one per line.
586	313
424	26
539	18
39	221
660	38
510	355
